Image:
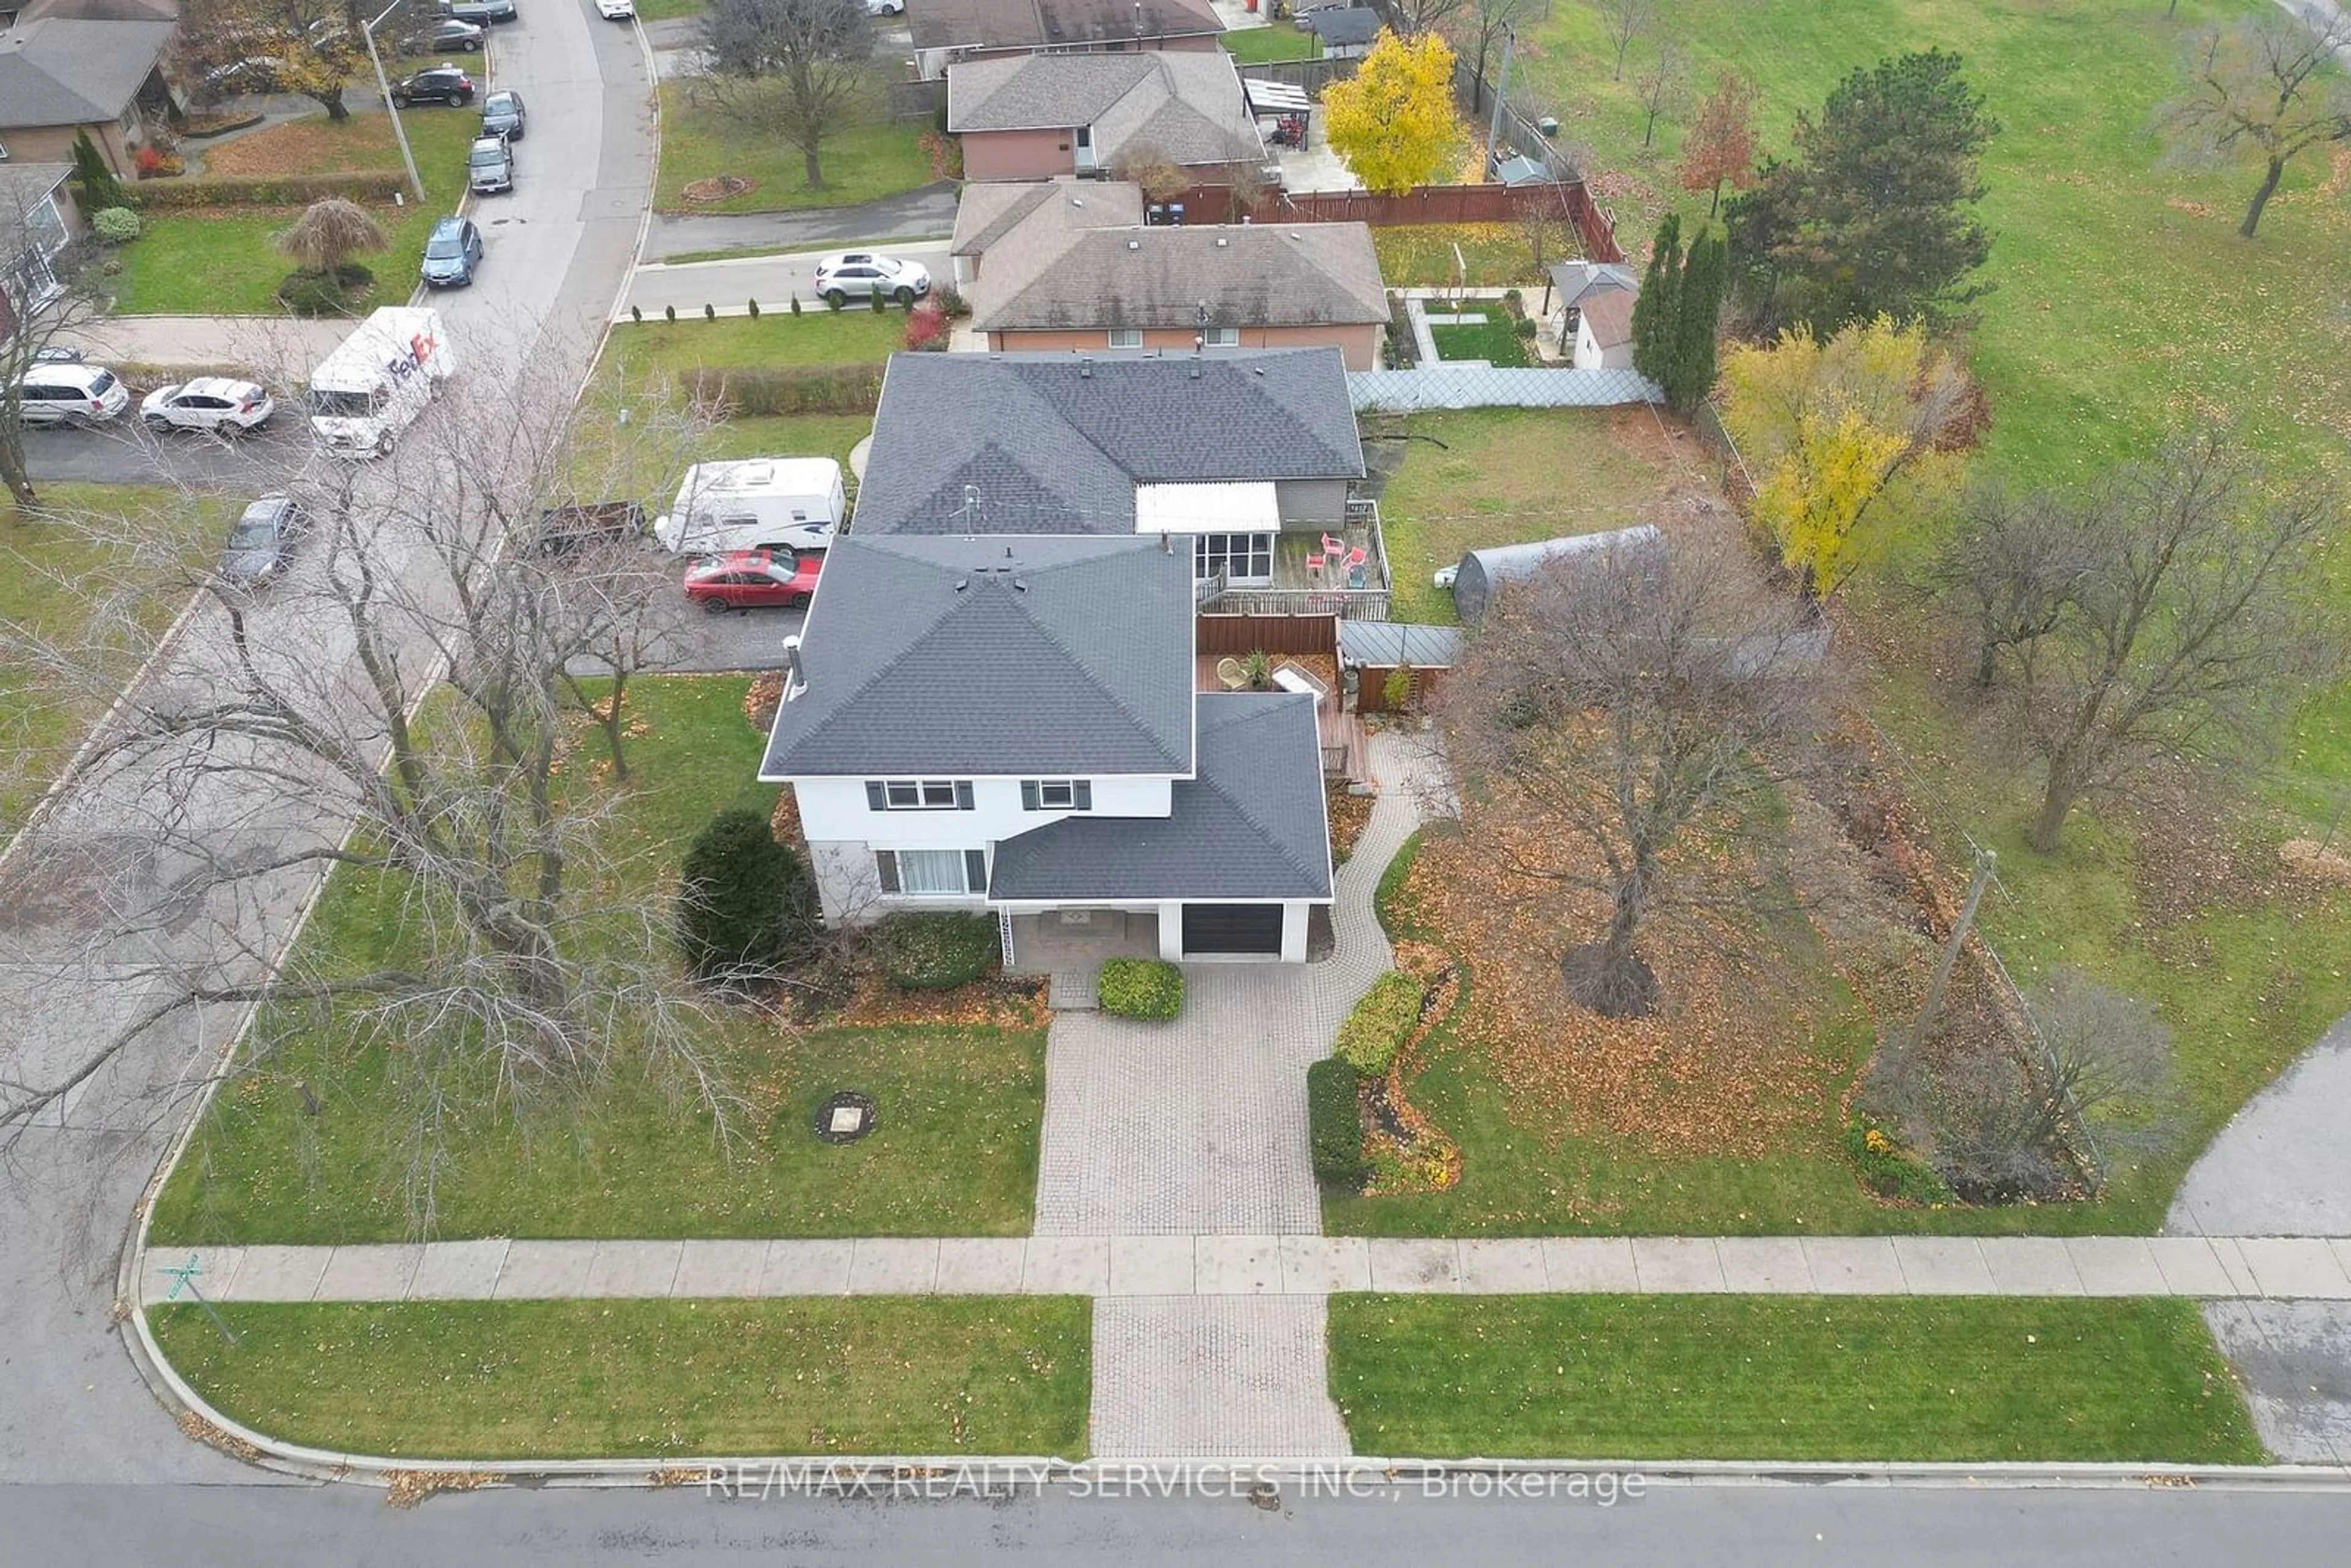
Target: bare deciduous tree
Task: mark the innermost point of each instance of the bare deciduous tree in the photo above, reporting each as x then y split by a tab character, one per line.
1625	20
1663	88
1146	167
2266	86
313	48
48	289
393	708
795	69
2007	572
329	232
1413	17
1626	699
2190	631
1474	27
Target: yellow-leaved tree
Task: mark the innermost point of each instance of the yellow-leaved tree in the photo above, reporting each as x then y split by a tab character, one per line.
1828	428
1393	121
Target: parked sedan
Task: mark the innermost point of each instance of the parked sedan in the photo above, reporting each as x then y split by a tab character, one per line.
451	253
481	13
449	34
859	274
261	545
502	115
434	84
217	404
744	578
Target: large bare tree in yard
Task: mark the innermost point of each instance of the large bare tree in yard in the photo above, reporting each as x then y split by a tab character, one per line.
393	707
234	47
795	69
1634	706
2188	627
1625	21
2268	87
47	290
2006	573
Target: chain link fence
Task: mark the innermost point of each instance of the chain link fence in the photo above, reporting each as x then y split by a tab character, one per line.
1490	386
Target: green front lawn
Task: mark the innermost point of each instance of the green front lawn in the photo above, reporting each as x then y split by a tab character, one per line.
52	568
1494	339
220	261
1494	477
862	162
1274	41
817	336
1859	1379
643	1379
955	1152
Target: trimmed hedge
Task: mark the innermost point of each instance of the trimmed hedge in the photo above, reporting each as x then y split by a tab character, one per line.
269	191
1380	1024
785	389
935	950
1335	1120
1141	988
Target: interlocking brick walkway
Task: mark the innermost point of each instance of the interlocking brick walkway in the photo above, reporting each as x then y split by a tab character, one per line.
1227	1378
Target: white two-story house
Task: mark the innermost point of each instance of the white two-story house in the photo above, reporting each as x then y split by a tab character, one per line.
1009	723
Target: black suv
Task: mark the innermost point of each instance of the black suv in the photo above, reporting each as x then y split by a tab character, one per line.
435	84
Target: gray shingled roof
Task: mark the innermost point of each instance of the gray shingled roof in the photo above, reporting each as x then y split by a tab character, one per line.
1186	104
1251	825
62	70
1031	443
23	185
1002	23
992	210
1576	281
1358	26
925	656
1249	275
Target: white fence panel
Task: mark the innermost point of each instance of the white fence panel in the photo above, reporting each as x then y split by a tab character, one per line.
1492	386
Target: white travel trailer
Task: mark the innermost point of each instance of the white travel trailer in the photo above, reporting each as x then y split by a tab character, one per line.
755	503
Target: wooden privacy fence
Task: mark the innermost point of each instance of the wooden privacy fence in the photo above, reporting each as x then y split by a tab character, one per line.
1236	636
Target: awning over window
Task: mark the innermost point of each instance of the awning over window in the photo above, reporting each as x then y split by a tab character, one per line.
1236	507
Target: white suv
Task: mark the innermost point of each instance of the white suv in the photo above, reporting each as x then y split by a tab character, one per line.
70	394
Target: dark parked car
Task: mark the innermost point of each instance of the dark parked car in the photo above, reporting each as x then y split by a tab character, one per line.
742	579
260	547
434	84
502	115
451	253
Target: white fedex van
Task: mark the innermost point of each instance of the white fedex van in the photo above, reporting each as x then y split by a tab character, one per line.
379	379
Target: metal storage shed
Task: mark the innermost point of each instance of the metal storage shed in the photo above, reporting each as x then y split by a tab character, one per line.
1483	572
1374	650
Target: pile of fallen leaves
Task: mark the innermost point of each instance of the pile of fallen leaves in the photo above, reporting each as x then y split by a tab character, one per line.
1724	1067
1350	814
760	703
406	1489
784	822
994	1002
1407	1151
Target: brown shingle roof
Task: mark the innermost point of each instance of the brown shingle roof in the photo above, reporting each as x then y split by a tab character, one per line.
1042	278
1186	104
1015	23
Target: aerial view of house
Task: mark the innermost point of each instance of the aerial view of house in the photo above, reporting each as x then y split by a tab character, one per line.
948	30
1032	116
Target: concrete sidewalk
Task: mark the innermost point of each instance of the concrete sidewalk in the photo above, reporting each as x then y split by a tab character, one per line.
1166	1266
278	350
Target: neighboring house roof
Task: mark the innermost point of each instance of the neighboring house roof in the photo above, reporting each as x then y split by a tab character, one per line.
1521	170
1031	443
103	10
1359	24
64	70
1015	23
1387	644
935	657
991	209
1185	104
1576	281
1251	825
23	185
1039	278
1609	317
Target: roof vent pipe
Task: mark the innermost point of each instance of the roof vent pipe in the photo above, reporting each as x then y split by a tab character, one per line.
1086	368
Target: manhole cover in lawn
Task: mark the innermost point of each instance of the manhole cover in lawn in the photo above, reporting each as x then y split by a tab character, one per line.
845	1117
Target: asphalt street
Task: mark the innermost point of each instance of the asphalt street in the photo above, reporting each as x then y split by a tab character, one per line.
1842	1526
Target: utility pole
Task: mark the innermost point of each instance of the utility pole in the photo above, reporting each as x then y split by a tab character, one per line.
1501	96
383	86
1985	859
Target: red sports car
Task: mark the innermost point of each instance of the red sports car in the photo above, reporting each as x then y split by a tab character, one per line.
742	578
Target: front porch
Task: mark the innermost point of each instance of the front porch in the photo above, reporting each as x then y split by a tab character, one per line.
1063	942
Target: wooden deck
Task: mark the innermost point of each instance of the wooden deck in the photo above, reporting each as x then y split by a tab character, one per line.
1345	743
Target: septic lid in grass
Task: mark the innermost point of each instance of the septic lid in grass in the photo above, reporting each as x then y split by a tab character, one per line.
845	1117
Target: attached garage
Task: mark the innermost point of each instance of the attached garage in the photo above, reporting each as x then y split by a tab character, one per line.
1227	929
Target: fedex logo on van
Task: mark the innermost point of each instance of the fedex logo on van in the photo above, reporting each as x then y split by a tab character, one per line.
420	350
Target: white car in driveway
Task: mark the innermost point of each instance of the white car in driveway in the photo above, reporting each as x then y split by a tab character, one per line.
217	403
616	10
860	274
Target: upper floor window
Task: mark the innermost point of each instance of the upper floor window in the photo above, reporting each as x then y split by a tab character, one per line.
1222	336
1126	336
1057	795
918	794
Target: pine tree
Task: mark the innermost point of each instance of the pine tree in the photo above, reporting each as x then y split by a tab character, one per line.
1654	312
747	904
99	188
1698	306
